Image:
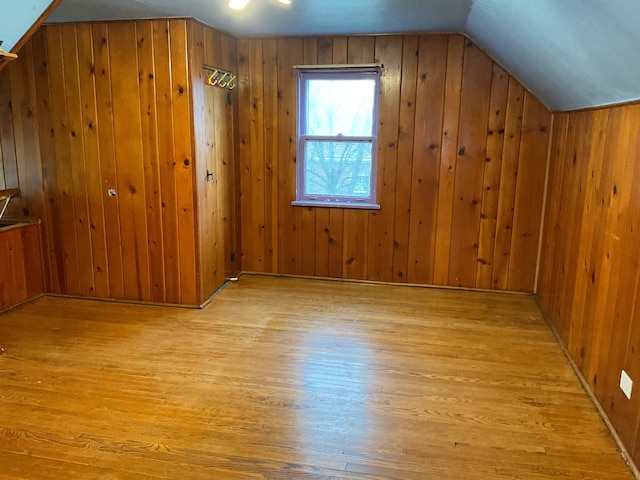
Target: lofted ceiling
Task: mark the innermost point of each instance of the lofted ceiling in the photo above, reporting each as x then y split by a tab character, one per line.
17	18
570	53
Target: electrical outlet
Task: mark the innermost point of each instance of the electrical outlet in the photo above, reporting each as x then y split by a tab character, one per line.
626	384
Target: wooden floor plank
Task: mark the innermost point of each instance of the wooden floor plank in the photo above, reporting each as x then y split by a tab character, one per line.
282	378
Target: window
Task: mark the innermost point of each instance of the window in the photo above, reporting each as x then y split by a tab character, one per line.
337	137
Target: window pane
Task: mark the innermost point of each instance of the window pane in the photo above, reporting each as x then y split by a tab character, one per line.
338	168
340	107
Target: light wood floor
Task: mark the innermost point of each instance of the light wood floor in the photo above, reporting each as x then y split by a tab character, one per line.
296	379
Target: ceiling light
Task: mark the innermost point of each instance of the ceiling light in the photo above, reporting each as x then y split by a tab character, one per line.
238	4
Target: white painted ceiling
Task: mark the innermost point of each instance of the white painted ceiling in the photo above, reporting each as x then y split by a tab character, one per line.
17	18
570	53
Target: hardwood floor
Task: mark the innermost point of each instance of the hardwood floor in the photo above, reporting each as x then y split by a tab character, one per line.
282	378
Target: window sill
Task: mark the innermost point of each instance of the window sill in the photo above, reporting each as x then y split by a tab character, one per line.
329	204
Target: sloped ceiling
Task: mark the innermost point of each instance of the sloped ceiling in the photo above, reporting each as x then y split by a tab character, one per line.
16	19
270	18
570	53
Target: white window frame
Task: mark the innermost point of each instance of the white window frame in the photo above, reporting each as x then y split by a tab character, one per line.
339	72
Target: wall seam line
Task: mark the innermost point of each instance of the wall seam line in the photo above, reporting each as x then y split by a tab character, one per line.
544	204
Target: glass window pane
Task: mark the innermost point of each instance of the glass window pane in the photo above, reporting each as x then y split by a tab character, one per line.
338	168
340	107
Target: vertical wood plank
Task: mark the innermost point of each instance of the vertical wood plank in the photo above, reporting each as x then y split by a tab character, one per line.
255	229
508	178
562	273
556	168
166	160
448	164
150	165
203	143
431	78
92	160
270	58
474	107
594	208
61	135
220	163
128	150
388	51
77	160
607	272
183	158
322	242
573	199
230	166
532	163
290	52
51	227
618	346
355	245
30	201
7	136
108	167
245	153
547	285
491	176
579	196
406	138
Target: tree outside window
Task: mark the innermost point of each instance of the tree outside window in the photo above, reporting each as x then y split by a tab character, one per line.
337	127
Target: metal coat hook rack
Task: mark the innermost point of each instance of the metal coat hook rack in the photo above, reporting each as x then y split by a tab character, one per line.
220	78
5	196
6	56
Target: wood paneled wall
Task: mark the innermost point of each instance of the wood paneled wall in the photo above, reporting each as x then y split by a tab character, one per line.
92	107
590	263
461	167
